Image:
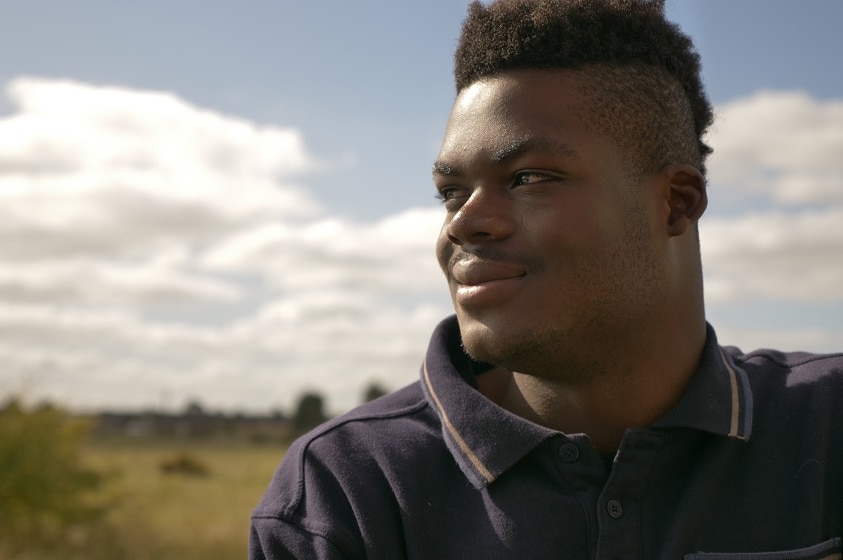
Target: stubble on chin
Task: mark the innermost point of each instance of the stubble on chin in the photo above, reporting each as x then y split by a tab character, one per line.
515	351
548	354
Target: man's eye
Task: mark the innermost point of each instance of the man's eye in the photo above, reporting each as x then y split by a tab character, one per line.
448	193
528	177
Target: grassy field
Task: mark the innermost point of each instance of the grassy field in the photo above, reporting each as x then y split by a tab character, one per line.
161	516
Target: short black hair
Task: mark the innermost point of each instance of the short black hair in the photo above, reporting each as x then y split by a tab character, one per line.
641	71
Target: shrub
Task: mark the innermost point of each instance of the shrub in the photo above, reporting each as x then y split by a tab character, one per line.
183	463
46	492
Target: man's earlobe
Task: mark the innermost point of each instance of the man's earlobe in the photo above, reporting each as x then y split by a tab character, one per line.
687	198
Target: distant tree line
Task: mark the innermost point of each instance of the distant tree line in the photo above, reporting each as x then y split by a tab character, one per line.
310	410
194	421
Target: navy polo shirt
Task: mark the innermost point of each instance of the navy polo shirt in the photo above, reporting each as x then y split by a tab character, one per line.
748	465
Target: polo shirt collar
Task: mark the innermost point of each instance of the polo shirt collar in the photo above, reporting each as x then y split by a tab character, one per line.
486	440
718	398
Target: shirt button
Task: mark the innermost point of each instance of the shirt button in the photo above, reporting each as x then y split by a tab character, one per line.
614	508
569	453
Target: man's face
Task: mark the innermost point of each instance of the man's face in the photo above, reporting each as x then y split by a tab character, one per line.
550	246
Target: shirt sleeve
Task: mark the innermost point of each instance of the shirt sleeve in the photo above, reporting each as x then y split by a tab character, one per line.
276	539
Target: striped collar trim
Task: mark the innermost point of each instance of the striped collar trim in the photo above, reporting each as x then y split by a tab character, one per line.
740	418
484	439
718	398
480	469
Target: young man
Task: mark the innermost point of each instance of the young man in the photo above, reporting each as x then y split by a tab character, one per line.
578	405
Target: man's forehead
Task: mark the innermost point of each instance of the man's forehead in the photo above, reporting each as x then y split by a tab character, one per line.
527	98
505	116
524	82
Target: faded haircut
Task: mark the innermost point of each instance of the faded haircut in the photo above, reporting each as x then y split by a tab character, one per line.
639	73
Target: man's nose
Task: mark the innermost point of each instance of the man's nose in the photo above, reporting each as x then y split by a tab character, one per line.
486	216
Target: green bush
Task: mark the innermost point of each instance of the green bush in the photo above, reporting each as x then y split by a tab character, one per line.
47	494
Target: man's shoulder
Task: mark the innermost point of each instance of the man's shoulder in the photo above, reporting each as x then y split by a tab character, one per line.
793	377
361	447
798	367
400	415
374	421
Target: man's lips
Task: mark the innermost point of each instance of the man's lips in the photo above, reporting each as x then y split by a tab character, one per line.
475	271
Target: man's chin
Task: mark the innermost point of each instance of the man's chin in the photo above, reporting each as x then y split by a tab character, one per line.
507	344
478	339
485	343
480	353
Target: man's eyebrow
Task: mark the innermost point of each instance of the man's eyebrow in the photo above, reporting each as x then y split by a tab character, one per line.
534	143
442	168
513	150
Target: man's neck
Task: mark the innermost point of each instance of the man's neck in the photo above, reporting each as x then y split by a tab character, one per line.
621	395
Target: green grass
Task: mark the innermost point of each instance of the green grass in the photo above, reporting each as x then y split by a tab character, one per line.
155	515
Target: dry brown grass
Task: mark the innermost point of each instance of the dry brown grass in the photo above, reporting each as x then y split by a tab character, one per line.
162	516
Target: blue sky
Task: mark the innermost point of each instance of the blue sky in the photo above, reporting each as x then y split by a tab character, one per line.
372	80
119	288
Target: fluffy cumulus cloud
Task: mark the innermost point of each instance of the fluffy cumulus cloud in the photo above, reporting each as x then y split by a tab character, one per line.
778	167
776	255
129	218
153	252
334	344
783	146
108	171
332	253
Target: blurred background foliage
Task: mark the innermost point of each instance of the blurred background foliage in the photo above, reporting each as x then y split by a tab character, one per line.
138	486
47	494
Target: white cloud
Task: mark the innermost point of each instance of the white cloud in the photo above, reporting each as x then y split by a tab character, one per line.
93	282
393	255
783	145
774	255
116	204
335	344
784	150
106	171
804	339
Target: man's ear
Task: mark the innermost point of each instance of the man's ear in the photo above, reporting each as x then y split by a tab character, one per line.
686	197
